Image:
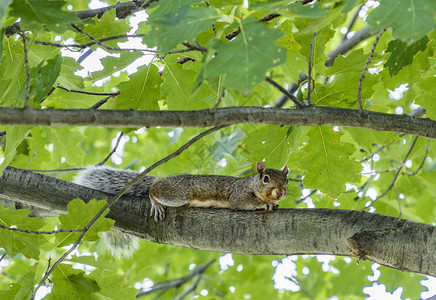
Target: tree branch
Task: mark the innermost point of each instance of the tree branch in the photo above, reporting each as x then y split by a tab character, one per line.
396	243
308	116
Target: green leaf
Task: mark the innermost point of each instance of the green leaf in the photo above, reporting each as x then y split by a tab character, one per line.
43	79
65	150
15	242
113	64
411	19
427	99
271	144
246	59
35	14
16	134
327	162
172	23
142	91
112	285
403	54
69	283
79	215
178	86
366	138
3	15
105	26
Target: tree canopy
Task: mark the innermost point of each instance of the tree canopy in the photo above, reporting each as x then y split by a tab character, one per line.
340	91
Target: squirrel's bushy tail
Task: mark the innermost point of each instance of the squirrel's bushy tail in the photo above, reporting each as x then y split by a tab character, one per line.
111	181
120	244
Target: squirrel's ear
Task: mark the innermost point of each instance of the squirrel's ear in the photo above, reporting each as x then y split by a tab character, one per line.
286	170
260	167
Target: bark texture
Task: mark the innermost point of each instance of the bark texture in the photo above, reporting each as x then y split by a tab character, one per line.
308	116
389	241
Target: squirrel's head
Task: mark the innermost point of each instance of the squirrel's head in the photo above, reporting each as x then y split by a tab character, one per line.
273	184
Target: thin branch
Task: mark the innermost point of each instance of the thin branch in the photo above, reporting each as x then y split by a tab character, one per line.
101	102
353	20
1	257
191	289
292	89
39	232
174	283
26	64
362	75
89	93
236	32
103	45
117	196
348	45
196	48
305	197
399	202
396	175
83	46
220	98
33	156
123	9
285	92
120	135
309	81
422	163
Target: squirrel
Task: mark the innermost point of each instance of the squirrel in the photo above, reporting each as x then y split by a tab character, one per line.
260	191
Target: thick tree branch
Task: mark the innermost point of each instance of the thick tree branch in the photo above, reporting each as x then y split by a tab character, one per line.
123	9
308	116
393	242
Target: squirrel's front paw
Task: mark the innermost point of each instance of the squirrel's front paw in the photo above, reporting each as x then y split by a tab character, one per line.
271	206
158	211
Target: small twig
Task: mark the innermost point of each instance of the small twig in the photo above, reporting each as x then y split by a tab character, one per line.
422	163
292	89
3	256
196	48
353	20
309	81
396	174
305	197
121	134
101	102
33	156
267	18
285	92
83	46
39	232
103	45
220	98
176	282
399	202
118	196
89	93
362	75
26	63
191	289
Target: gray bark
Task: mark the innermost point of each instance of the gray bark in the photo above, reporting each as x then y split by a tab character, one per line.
308	116
389	241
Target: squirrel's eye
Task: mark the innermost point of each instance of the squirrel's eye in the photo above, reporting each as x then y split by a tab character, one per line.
266	179
287	181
